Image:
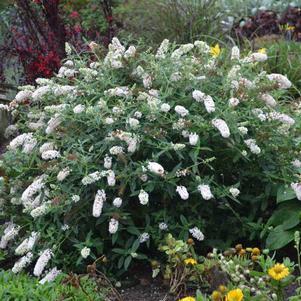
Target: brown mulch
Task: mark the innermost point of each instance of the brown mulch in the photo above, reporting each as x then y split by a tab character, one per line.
140	286
155	291
148	292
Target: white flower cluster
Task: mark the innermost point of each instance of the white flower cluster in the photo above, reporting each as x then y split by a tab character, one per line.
222	126
63	174
35	187
50	276
197	233
155	168
85	252
22	263
113	225
10	232
162	50
27	244
50	155
182	191
205	191
143	197
254	148
92	178
11	131
144	237
27	141
42	262
281	80
40	210
99	200
183	49
199	96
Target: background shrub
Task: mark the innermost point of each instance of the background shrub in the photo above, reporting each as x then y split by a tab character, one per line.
181	20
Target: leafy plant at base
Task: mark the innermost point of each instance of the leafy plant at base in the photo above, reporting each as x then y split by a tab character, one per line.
116	151
26	288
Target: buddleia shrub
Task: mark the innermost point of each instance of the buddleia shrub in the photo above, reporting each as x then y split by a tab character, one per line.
113	152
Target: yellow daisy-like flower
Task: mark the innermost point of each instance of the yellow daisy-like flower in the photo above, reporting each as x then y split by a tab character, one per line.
262	50
188	299
190	261
235	295
215	51
278	271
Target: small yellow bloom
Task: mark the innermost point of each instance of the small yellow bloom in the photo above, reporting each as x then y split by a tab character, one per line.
278	271
235	295
262	50
254	258
188	299
216	296
288	27
190	261
222	289
249	249
215	51
242	252
256	251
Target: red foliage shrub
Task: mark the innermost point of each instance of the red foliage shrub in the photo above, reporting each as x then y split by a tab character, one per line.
38	35
269	22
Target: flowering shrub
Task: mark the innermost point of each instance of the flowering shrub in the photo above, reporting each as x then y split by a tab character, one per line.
111	153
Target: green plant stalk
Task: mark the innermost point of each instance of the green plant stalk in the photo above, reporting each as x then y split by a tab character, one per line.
299	260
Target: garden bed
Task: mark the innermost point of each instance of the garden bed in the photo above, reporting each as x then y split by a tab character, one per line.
149	164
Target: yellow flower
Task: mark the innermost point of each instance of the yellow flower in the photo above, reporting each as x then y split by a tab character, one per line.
222	289
188	299
262	50
235	295
288	27
190	261
215	51
216	296
278	271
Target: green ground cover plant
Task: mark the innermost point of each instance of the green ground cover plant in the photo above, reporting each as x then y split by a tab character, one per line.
27	288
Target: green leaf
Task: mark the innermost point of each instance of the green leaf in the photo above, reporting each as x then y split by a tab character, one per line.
183	220
279	238
133	230
120	262
287	216
135	246
285	193
114	238
127	262
119	251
